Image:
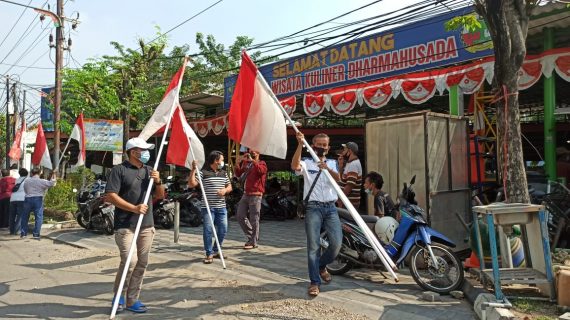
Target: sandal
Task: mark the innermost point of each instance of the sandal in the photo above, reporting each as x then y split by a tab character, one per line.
121	306
313	290
209	259
249	246
138	307
325	276
217	256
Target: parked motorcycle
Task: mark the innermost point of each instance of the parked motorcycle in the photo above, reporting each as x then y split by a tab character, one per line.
93	212
190	208
277	206
432	264
163	213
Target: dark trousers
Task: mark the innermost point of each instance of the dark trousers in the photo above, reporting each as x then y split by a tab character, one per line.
16	212
4	212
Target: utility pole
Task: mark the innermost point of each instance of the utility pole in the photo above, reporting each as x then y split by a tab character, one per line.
58	81
7	121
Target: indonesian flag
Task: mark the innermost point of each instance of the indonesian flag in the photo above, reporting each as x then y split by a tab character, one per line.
78	133
41	152
161	115
183	143
18	146
256	118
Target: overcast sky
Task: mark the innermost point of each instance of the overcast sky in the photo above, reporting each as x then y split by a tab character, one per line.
103	21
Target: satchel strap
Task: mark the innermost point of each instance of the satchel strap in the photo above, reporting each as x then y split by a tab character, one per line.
312	187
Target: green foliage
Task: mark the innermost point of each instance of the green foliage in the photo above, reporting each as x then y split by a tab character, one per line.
3	137
61	197
82	177
469	22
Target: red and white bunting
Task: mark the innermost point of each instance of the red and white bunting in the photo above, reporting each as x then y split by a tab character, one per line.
417	88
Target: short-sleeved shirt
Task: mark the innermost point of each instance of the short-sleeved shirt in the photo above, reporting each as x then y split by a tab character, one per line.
130	183
384	206
353	175
214	180
323	190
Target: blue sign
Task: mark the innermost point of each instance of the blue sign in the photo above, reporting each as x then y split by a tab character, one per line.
46	107
413	47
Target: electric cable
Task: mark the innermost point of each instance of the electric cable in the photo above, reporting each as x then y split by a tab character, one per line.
14	25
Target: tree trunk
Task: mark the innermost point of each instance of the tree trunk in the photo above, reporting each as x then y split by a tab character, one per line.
507	21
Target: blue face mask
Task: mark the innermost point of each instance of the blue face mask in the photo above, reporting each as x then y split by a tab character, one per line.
145	156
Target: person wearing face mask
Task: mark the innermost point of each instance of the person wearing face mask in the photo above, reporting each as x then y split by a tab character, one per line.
216	186
383	204
321	213
127	184
351	177
253	173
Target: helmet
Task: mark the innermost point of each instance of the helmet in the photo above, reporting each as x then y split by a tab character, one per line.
385	229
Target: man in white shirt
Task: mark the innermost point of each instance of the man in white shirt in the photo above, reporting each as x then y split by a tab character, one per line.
321	213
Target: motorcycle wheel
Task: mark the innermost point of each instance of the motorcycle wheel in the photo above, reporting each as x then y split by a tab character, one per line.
340	265
449	275
109	226
168	221
194	216
79	217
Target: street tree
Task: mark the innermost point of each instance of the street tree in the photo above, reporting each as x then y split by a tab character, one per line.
507	21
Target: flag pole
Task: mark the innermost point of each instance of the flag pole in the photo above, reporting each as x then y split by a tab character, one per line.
139	222
209	213
386	260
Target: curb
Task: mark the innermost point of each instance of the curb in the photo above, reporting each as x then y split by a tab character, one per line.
477	297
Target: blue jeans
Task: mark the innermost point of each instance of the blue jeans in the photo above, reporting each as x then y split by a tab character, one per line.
321	215
35	204
16	211
220	217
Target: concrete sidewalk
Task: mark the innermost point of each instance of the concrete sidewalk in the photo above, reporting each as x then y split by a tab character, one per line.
280	261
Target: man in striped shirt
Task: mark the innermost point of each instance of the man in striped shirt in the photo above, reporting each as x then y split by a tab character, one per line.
216	186
351	177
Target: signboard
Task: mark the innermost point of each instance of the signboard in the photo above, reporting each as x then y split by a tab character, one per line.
46	106
417	46
103	135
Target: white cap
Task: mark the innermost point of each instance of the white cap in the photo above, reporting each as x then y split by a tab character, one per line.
138	143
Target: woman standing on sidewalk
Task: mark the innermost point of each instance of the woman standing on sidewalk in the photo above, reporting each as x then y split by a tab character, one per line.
216	186
35	189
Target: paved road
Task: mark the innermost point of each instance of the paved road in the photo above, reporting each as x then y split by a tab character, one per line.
281	261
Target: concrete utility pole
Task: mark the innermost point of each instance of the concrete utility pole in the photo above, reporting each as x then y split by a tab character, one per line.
58	81
7	121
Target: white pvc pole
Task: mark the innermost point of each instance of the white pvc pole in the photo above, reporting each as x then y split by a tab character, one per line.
386	260
61	155
139	222
210	214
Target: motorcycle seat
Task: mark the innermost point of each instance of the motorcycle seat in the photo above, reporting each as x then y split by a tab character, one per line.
344	214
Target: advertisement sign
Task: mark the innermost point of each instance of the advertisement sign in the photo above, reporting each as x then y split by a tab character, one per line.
103	135
417	46
46	107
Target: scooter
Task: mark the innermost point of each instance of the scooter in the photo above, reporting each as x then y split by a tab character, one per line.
163	213
432	264
93	212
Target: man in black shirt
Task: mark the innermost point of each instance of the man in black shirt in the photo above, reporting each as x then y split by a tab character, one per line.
126	187
383	204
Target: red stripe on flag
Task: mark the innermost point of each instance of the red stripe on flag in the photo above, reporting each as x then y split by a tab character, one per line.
178	154
40	146
242	98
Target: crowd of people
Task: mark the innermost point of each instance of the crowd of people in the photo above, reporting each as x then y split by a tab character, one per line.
20	195
127	183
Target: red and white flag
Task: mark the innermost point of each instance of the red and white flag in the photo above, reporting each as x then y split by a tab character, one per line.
18	146
183	140
41	157
78	133
255	118
182	137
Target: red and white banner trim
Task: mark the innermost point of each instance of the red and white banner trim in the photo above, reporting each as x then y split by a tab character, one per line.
417	88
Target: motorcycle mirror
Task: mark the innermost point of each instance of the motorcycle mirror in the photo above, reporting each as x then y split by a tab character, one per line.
413	180
74	190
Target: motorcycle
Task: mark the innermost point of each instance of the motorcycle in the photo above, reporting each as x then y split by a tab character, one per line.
93	212
277	206
190	208
432	264
163	213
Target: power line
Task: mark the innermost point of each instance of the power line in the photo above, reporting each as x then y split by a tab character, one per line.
31	46
14	25
35	61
